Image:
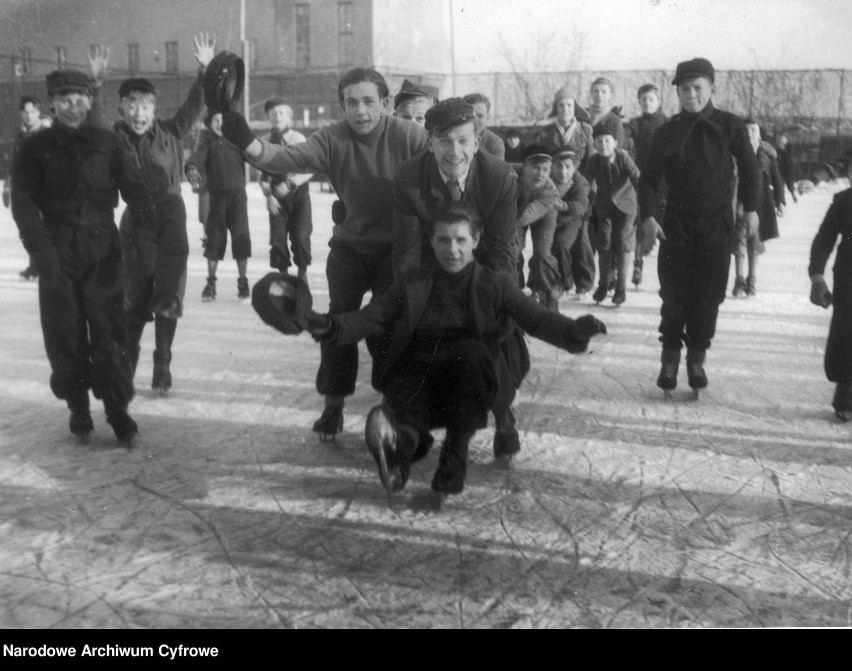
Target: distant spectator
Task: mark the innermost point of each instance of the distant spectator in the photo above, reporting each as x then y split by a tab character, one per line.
489	141
514	147
786	165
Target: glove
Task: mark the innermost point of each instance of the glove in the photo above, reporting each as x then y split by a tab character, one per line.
194	178
236	129
338	211
589	325
320	326
820	295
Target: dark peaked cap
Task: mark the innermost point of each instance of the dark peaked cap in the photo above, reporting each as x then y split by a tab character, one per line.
68	81
448	114
411	90
697	67
135	84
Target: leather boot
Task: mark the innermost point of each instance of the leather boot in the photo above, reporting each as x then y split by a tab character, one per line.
667	379
164	334
695	368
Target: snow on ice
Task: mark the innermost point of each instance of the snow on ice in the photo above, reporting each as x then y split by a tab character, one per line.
623	509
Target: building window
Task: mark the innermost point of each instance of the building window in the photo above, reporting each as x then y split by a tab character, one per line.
303	35
60	57
172	57
345	40
26	61
133	57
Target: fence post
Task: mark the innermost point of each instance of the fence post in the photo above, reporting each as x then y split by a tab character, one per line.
840	105
751	93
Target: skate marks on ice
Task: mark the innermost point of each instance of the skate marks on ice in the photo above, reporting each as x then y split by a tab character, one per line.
621	510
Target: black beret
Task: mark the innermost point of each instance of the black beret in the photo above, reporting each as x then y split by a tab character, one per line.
535	153
697	67
411	90
283	302
140	84
68	81
448	114
609	125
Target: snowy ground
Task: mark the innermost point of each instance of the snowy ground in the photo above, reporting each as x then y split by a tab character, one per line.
623	509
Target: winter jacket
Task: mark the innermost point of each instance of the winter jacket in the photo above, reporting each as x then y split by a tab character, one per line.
220	163
614	182
577	200
492	190
492	143
496	303
638	133
771	191
299	181
580	141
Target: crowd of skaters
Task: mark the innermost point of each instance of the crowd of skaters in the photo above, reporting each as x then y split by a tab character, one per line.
432	215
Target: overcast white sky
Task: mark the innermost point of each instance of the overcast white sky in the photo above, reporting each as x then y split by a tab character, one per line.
643	34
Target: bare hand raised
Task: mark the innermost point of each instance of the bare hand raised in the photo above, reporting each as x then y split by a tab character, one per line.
98	62
204	49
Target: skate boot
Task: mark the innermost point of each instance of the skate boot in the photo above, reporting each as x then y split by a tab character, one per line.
619	296
29	273
695	370
739	287
383	438
330	423
80	423
751	285
667	379
122	424
637	272
843	401
507	442
242	287
600	293
209	292
161	381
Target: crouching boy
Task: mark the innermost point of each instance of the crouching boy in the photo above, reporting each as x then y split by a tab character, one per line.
443	366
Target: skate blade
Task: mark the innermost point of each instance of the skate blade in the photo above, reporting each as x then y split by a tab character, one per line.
327	437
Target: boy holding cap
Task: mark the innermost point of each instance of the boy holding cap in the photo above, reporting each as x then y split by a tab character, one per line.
155	269
615	178
67	180
694	152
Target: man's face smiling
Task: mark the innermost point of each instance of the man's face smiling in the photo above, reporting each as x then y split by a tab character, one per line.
694	94
454	244
363	106
71	109
455	149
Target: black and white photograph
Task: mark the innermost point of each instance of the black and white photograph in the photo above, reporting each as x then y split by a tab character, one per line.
422	314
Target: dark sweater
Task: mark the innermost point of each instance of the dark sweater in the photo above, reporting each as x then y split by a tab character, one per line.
220	162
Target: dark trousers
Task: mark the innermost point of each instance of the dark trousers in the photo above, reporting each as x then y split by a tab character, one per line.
228	212
294	221
693	266
544	269
82	320
452	387
838	350
583	259
351	274
565	237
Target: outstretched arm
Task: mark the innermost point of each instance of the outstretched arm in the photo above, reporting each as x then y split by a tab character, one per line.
98	64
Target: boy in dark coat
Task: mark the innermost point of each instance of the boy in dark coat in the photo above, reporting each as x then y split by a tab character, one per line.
66	185
614	178
444	363
749	243
639	131
694	152
489	141
219	163
155	274
838	351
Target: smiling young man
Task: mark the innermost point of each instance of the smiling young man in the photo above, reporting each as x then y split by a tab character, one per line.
360	156
454	170
444	366
694	153
66	185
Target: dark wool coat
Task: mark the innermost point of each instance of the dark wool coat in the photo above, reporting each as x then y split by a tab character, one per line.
492	190
495	302
581	141
492	143
837	222
639	131
771	191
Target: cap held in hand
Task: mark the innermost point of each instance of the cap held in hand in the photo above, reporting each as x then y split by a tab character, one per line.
224	80
283	302
235	128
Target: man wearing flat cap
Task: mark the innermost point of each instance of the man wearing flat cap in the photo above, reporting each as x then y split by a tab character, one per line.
67	180
453	169
155	266
694	152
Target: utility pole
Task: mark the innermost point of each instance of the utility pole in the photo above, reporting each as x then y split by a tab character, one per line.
452	54
246	62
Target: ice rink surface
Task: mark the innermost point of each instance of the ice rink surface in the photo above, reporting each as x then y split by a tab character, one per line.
624	509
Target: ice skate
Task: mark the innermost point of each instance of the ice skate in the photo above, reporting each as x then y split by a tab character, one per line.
600	294
695	371
81	424
619	296
330	423
382	437
161	381
843	401
122	424
242	287
209	292
751	286
637	272
667	380
739	287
